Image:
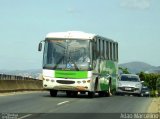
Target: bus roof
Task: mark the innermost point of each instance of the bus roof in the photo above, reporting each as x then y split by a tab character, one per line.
74	35
71	34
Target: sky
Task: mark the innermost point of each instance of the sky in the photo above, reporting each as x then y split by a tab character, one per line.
134	24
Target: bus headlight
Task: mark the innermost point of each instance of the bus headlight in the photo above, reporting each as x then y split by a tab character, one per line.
52	80
79	82
47	79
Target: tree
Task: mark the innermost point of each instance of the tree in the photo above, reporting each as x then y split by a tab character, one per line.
150	80
124	70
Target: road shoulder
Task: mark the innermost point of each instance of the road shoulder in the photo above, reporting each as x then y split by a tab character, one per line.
154	106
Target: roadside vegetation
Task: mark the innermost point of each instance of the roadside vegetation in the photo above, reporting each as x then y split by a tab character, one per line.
152	81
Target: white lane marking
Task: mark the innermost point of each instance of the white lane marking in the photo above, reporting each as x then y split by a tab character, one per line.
25	116
62	102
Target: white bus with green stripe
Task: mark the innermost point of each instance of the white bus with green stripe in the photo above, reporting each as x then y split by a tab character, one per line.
81	62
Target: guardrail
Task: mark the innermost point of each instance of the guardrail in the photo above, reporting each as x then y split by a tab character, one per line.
10	83
12	77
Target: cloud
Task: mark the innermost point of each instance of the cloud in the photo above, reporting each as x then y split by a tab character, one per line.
136	4
72	11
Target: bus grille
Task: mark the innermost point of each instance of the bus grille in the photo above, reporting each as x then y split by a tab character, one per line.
65	82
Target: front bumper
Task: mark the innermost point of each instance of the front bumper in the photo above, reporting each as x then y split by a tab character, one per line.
65	85
129	90
145	94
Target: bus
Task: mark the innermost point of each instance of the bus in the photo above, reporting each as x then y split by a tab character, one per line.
79	62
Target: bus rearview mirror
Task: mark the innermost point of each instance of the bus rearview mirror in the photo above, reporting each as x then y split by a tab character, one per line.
40	47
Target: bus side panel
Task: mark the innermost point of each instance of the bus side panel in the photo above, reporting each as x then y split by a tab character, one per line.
108	67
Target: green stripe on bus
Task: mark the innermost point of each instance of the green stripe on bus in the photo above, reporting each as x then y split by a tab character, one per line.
71	74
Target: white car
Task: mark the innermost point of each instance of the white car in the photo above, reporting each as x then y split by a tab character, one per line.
129	84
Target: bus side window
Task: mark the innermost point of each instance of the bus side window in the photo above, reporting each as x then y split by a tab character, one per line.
101	48
94	52
99	40
94	48
116	59
98	48
117	50
105	50
102	51
114	51
110	51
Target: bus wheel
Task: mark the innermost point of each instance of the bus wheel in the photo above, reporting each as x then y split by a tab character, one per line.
53	93
108	93
91	94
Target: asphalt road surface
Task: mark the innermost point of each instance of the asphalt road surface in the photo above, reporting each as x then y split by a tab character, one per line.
39	105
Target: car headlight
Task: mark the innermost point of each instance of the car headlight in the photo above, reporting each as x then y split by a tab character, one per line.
119	84
138	85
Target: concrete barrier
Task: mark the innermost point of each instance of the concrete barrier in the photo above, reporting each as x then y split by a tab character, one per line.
9	83
20	85
12	77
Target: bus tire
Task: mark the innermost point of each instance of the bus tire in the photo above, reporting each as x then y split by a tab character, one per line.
109	93
96	85
53	93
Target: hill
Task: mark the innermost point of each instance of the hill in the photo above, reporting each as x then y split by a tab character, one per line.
133	67
33	73
136	67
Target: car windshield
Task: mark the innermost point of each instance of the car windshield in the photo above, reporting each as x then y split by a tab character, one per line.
129	78
66	54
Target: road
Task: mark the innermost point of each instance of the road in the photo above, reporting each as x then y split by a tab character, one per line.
41	105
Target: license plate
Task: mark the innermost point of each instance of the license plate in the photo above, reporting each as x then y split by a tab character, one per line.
128	89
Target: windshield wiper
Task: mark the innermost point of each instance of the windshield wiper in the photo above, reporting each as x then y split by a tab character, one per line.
59	61
76	67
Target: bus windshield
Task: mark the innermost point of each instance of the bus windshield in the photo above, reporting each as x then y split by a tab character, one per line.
66	54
